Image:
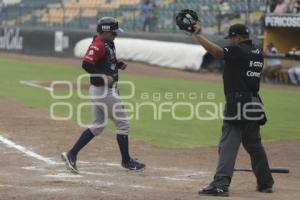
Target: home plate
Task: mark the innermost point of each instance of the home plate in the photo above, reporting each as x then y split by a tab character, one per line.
63	175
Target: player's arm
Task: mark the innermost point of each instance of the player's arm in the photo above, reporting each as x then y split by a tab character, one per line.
88	67
92	56
121	65
91	69
212	48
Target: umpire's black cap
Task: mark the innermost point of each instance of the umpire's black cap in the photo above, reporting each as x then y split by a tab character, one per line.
237	29
108	24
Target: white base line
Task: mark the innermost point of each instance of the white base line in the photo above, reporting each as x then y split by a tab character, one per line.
35	84
26	151
49	161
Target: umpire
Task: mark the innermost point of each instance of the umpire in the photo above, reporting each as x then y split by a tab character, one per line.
243	113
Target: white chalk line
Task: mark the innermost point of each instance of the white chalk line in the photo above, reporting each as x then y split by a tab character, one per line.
91	165
60	174
95	173
65	176
26	151
35	188
4	185
176	179
117	165
32	154
100	183
51	190
187	176
35	84
141	187
34	168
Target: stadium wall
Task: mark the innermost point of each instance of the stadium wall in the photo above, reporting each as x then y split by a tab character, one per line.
172	50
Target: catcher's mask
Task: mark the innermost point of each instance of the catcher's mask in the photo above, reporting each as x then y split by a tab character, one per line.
186	19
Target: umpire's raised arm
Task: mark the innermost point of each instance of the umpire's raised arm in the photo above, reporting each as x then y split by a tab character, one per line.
212	48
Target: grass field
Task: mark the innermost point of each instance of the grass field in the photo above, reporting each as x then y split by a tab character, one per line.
282	106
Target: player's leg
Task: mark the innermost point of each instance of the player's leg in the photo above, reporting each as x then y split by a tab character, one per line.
292	76
273	71
228	150
118	115
98	116
252	143
297	74
70	157
265	73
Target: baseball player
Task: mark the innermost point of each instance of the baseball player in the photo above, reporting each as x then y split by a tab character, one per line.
100	61
243	111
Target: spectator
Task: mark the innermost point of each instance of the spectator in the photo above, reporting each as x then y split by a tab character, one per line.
273	64
223	16
281	7
294	72
1	5
224	7
146	8
153	18
271	5
295	8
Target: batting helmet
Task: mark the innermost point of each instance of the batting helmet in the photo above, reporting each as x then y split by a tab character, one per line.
108	24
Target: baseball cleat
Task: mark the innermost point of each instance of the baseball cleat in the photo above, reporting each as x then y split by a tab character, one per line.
70	161
214	191
133	165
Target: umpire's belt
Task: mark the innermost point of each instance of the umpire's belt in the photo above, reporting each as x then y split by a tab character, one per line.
235	95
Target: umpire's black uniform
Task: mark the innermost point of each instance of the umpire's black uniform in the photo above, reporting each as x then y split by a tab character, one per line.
244	62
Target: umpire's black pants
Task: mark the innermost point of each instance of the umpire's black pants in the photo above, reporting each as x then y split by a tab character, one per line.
232	135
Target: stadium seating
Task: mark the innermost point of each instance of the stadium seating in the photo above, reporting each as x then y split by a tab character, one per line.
84	13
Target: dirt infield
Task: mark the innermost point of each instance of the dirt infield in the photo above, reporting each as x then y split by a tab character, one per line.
31	143
170	174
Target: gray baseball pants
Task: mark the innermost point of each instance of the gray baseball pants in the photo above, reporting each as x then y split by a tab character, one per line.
107	104
249	135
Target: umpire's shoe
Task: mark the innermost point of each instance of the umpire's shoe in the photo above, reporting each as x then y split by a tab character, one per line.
214	191
133	165
264	189
70	160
